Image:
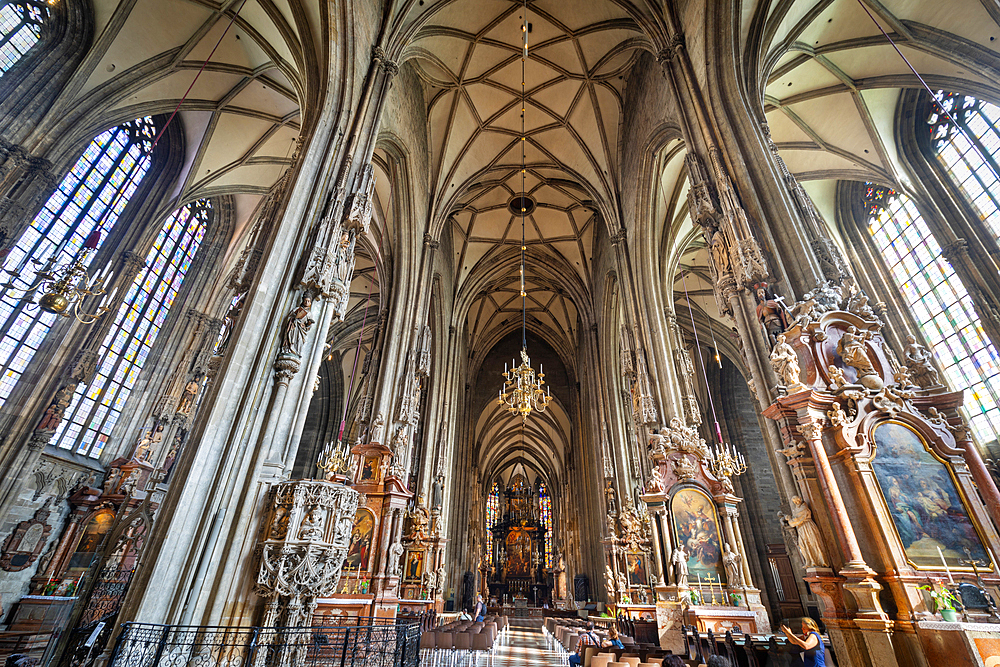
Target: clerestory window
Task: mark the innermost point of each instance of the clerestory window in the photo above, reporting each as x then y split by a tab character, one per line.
109	171
91	417
20	29
939	303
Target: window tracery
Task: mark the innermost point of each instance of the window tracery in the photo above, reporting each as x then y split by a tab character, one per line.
20	29
115	160
939	303
492	511
545	509
95	409
969	151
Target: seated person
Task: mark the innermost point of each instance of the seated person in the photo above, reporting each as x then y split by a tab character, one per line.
588	638
612	641
464	615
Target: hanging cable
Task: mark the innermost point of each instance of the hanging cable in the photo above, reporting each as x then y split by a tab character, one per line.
357	355
916	74
156	139
524	202
701	359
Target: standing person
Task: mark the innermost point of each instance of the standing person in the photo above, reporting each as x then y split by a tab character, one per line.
586	639
480	611
811	642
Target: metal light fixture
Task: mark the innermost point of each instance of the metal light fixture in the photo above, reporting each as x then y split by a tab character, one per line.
65	286
522	391
725	461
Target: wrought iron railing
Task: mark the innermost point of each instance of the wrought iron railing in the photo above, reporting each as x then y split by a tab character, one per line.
368	643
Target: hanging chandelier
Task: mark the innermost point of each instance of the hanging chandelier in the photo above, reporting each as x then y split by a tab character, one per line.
522	391
64	287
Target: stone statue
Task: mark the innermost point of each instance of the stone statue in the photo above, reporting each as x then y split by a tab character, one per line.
679	560
770	313
296	327
395	553
609	582
441	574
851	348
720	252
128	486
785	362
919	361
622	584
378	429
312	527
655	484
808	537
731	560
54	413
430	580
185	405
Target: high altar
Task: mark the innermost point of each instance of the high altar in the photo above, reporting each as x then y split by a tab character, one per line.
517	554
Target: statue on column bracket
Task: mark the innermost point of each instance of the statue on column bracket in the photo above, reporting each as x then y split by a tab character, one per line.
770	312
808	538
395	554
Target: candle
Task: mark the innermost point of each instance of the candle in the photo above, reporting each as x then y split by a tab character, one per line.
945	563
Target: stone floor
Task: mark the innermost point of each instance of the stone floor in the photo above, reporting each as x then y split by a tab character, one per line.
524	646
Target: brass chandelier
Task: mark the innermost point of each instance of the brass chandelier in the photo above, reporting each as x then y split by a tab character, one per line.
522	391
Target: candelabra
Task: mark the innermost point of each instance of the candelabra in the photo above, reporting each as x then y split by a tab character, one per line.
522	391
64	286
725	461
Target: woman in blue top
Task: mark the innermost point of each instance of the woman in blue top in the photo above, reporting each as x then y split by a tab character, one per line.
612	641
811	642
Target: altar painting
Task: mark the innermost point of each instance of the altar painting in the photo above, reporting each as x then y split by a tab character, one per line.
414	569
518	554
635	565
359	551
696	526
922	498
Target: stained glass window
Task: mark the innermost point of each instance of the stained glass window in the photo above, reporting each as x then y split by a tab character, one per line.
95	409
20	29
492	512
115	162
969	151
940	304
545	507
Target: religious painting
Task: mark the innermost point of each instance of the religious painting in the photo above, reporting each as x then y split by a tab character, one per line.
518	554
925	504
93	535
635	565
369	471
696	526
359	551
414	569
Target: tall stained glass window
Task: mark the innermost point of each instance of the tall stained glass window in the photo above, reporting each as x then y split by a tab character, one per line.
115	162
969	149
20	29
545	511
940	304
492	512
95	409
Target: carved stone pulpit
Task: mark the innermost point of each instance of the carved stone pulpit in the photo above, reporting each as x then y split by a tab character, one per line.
304	540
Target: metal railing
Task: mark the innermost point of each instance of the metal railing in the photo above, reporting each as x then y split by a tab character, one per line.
369	642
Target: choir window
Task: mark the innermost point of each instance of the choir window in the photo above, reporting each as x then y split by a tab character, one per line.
20	29
545	505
